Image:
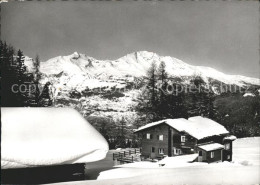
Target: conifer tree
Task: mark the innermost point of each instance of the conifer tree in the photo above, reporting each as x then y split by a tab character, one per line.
162	107
37	77
152	83
148	100
200	99
45	99
11	77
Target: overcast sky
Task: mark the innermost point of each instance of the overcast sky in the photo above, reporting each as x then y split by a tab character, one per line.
219	34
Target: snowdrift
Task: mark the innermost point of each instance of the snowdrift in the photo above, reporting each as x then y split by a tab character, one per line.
48	136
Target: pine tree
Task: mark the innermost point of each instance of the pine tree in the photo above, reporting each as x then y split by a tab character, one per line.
37	77
148	100
162	107
11	77
162	74
195	99
21	69
152	83
18	87
121	133
45	99
200	99
176	105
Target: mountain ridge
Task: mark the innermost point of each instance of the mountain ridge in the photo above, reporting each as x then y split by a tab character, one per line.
82	67
111	88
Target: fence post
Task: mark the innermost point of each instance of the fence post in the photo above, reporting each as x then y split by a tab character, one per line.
132	159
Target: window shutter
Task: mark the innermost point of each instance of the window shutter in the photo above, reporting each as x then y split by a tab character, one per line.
151	136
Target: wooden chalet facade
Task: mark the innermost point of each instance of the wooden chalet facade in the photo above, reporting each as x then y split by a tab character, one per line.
172	137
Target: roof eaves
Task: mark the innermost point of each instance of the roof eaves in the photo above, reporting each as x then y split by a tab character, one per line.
142	129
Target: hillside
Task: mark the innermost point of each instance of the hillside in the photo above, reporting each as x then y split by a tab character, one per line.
109	89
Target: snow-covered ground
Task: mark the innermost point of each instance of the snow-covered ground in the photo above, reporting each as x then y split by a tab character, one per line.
244	169
246	151
167	162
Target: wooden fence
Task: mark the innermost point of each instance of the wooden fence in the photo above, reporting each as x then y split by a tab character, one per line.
127	155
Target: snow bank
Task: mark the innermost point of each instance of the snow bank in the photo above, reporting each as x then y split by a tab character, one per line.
246	151
142	164
178	159
219	173
48	136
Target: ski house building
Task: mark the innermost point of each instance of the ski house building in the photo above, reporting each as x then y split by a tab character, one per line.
172	137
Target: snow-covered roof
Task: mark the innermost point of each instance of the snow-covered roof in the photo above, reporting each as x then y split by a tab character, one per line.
198	127
248	94
150	125
232	138
211	146
48	136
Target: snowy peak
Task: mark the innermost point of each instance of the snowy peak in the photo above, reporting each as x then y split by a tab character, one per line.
136	65
75	55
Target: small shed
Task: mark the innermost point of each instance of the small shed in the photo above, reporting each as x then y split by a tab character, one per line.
211	152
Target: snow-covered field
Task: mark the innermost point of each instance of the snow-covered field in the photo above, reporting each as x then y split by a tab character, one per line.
245	169
246	151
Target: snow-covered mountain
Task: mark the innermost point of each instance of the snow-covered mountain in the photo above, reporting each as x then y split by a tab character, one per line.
81	70
110	88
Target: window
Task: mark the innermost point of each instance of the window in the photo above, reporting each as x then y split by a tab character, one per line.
148	136
211	154
153	149
161	151
182	138
161	137
228	157
174	150
227	146
200	153
177	151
